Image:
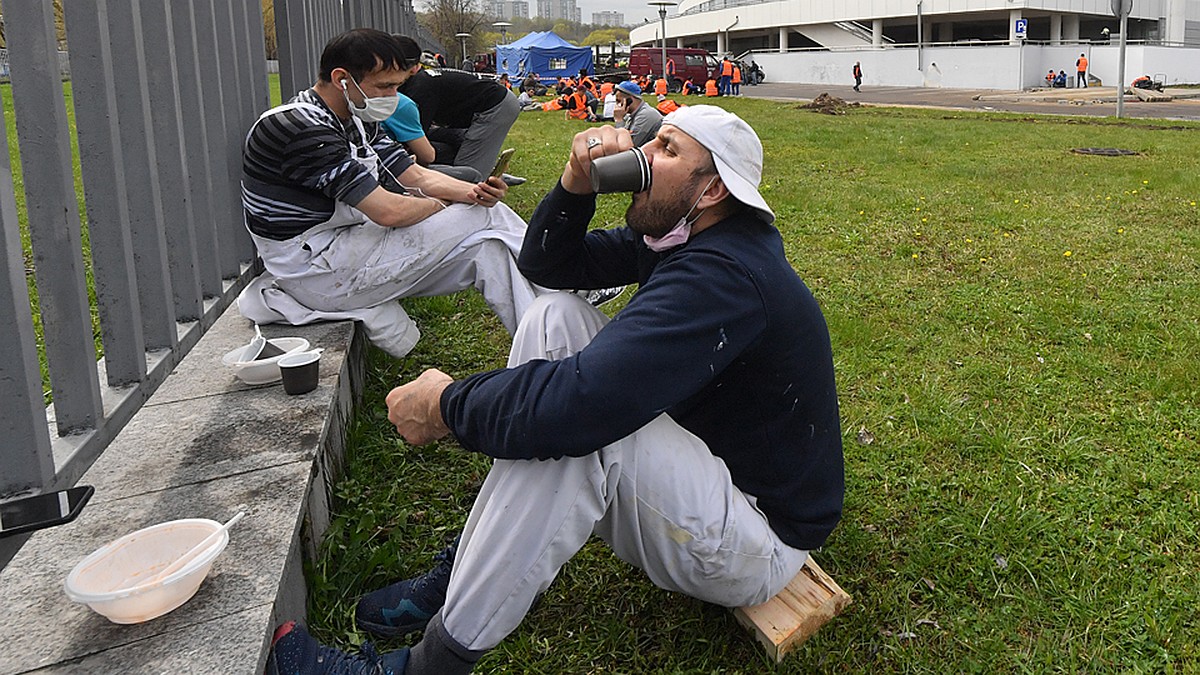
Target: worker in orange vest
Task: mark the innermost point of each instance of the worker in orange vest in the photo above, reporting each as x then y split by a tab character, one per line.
737	80
690	88
1081	65
710	88
666	106
578	108
660	86
670	68
605	88
726	76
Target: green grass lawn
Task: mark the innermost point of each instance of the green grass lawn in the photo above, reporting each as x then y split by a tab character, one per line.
1016	330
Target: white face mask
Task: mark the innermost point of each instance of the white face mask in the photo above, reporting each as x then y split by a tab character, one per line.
375	109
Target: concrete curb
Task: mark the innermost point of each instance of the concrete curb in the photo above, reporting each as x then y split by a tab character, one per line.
203	445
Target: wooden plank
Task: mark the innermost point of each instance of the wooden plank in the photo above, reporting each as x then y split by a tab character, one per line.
785	621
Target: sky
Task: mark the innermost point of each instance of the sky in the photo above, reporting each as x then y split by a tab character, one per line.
634	10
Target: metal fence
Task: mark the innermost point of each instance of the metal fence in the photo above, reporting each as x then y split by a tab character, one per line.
64	66
163	92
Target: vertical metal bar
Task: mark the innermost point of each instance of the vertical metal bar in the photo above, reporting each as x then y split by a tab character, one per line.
292	38
54	227
224	138
167	127
258	56
197	162
249	110
236	124
100	156
25	453
141	180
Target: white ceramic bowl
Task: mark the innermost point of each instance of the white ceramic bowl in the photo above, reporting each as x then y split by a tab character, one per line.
262	371
113	579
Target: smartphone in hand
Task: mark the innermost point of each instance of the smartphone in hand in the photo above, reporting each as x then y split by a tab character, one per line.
502	163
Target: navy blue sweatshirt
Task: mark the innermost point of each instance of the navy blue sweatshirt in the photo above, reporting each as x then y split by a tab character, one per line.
722	335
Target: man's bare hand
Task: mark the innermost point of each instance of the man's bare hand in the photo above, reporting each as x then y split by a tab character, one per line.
587	146
490	192
415	408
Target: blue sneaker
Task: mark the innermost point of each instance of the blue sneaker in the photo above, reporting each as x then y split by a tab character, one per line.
407	605
295	652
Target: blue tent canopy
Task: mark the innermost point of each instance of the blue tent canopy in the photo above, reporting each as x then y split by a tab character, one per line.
546	54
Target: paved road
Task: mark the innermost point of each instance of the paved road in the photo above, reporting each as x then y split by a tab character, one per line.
963	99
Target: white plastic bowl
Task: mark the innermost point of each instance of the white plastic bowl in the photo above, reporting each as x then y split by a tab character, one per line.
113	579
262	371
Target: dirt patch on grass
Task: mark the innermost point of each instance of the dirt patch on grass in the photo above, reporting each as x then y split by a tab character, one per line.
828	105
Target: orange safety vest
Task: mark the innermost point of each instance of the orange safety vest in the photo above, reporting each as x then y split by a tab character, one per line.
660	86
737	75
1081	64
556	104
710	88
671	67
606	88
726	68
579	109
668	106
587	82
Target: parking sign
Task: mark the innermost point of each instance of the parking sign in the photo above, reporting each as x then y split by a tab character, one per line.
1022	28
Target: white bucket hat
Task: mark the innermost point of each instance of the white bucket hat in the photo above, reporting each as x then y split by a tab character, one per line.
735	149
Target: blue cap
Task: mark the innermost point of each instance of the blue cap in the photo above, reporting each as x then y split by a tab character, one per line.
630	87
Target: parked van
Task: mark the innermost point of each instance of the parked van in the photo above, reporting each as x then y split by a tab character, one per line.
689	62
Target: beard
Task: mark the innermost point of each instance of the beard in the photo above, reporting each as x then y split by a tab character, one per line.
656	217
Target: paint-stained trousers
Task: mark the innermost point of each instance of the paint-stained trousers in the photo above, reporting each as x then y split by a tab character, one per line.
658	497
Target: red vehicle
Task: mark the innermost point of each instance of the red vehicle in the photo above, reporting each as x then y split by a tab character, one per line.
689	62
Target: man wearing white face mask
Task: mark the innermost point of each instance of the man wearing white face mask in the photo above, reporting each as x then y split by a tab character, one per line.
346	223
696	432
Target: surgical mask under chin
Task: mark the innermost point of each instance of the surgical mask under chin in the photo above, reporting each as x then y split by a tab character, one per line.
682	230
375	108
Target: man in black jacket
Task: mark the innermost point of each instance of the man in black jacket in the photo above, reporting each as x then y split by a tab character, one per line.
467	116
696	432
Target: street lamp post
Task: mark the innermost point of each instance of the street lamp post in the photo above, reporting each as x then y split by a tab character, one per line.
503	27
462	38
1121	8
662	6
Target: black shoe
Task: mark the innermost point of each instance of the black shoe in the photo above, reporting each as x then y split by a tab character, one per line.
601	296
295	652
407	605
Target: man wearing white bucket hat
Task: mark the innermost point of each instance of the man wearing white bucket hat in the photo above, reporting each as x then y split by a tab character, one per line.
696	432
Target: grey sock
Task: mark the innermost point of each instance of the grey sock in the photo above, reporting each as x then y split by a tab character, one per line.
439	654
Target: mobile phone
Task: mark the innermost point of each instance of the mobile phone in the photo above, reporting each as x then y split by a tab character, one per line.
502	162
27	514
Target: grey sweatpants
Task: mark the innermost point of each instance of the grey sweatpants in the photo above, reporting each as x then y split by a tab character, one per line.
485	137
658	497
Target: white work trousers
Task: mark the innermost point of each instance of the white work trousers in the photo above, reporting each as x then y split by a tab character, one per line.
366	265
658	497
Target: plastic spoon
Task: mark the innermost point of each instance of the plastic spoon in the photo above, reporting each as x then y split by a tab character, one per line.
195	550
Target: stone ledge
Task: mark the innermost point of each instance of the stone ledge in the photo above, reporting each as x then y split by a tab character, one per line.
202	446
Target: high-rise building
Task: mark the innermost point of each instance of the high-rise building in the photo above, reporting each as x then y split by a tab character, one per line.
567	10
507	9
608	18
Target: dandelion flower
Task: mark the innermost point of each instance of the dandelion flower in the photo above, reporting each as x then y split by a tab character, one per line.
1016	201
915	256
1120	230
924	220
968	240
1145	182
1066	254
